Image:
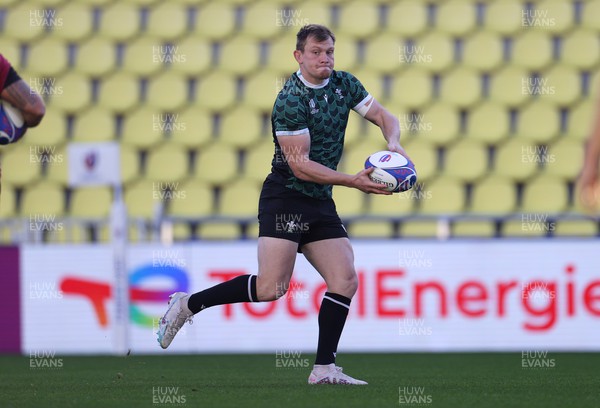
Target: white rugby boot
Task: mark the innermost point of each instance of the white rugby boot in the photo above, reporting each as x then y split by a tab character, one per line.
331	374
175	317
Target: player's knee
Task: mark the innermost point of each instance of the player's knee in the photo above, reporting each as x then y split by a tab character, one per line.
269	291
346	286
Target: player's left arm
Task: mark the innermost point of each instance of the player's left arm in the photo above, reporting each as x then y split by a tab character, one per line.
388	123
27	101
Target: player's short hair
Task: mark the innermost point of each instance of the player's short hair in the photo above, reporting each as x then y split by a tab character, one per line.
319	32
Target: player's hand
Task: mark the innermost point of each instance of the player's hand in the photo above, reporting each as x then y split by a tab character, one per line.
395	147
589	188
363	182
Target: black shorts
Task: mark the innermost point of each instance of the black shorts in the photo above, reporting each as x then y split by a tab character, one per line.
289	214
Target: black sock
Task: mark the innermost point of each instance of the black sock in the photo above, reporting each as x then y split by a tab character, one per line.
332	316
239	289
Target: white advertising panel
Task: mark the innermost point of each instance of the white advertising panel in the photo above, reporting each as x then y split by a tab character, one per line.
93	164
421	296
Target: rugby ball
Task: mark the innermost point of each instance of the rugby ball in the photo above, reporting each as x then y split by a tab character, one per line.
12	125
393	170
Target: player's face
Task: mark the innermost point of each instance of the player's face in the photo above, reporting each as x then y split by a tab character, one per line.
316	61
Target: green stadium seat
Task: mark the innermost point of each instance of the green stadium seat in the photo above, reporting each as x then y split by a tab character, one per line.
483	51
433	51
142	56
466	160
581	49
43	198
18	165
382	53
506	86
48	57
77	22
407	18
488	122
424	156
119	92
53	132
167	92
358	19
96	57
18	25
120	21
445	123
349	202
447	197
239	56
513	159
579	124
94	125
537	194
539	122
241	127
197	201
473	229
589	16
396	205
209	164
91	202
72	92
494	195
239	199
371	229
215	21
532	50
167	163
419	229
504	17
576	228
216	91
167	21
143	128
218	230
192	128
258	160
413	88
193	56
566	155
265	19
456	17
461	87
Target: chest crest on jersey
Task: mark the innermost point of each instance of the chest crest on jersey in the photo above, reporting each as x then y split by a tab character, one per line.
313	106
338	92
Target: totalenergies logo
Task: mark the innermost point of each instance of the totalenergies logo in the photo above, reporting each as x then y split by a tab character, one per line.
99	293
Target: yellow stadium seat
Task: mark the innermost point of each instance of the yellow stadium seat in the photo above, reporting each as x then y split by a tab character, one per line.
196	200
445	123
215	21
252	230
433	51
43	199
359	19
539	122
258	160
350	202
413	88
219	230
183	231
494	195
516	158
461	87
216	164
281	55
119	92
488	122
563	85
191	128
466	160
143	2
130	166
143	56
261	89
48	57
120	21
504	17
142	199
396	205
265	19
314	12
167	21
354	130
407	18
8	201
70	93
216	91
551	15
483	51
576	228
77	22
11	51
21	164
18	24
353	161
191	56
419	229
447	197
53	132
564	158
424	156
467	229
239	199
94	125
383	53
5	3
346	53
525	229
143	128
96	57
91	202
241	127
167	92
57	170
239	55
591	10
545	194
371	229
579	124
372	82
532	50
581	49
167	163
507	85
456	17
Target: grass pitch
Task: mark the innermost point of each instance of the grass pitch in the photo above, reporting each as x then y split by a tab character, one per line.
395	380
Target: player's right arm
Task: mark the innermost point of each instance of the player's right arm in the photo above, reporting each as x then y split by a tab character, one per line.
15	91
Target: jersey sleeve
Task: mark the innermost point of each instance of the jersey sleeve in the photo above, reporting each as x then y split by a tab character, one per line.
360	96
289	115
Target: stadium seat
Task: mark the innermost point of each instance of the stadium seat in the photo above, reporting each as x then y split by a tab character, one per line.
215	21
506	86
359	19
419	229
447	197
281	57
240	55
581	49
216	164
495	195
456	17
11	50
142	56
433	51
167	21
354	130
120	21
96	57
413	88
532	50
119	93
504	17
407	18
579	123
513	159
57	170
257	164
53	132
488	122
349	202
18	166
43	198
589	16
77	22
265	19
261	89
566	156
314	12
372	82
538	191
461	87
563	85
167	92
216	91
424	156
556	17
473	229
382	53
353	161
167	163
525	229
445	123
218	230
239	199
346	52
483	51
70	93
371	229
576	228
466	160
192	56
18	24
91	202
539	122
183	231
142	199
130	166
241	127
143	128
8	201
192	128
48	57
197	202
396	205
94	125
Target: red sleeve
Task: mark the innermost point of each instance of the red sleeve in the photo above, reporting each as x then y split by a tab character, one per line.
4	69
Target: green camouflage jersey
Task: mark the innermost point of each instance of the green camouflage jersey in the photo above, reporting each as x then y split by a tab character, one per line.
322	111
